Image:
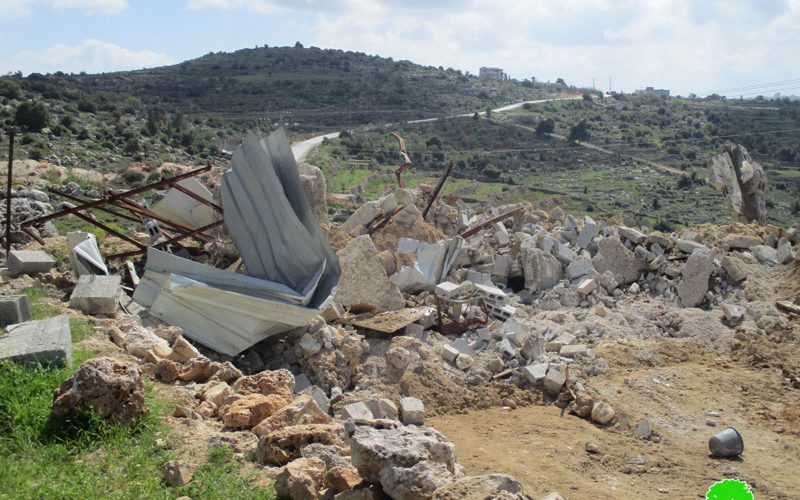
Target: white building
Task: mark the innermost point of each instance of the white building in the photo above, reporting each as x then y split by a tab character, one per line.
491	73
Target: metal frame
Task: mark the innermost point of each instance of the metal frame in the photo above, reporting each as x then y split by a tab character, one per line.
123	201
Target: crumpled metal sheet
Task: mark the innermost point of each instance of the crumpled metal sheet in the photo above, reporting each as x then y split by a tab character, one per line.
271	221
84	255
292	269
180	207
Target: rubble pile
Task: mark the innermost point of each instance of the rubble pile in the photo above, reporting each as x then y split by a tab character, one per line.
28	204
325	366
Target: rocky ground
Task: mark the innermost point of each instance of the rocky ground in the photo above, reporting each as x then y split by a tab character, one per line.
577	356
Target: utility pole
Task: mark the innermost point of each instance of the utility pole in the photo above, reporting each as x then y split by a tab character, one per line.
593	87
609	84
8	190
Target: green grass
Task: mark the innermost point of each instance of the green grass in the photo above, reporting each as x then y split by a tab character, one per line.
83	457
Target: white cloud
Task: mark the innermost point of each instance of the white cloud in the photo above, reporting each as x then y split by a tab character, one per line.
92	56
665	43
270	6
12	9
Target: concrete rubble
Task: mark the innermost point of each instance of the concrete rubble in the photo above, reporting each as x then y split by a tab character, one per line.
292	352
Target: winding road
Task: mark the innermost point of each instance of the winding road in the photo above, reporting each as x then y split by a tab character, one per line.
302	148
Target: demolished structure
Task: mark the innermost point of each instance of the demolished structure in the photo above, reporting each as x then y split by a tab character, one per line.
292	272
742	181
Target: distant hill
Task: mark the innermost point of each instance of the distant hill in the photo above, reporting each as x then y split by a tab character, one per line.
311	86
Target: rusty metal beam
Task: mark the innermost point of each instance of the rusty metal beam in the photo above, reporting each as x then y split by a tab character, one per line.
438	188
112	198
110	230
385	220
101	208
477	227
166	242
197	197
137	208
10	178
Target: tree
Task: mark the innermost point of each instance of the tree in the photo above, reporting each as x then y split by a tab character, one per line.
545	127
560	81
32	116
579	132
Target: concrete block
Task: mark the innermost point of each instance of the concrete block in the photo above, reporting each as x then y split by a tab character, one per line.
554	380
14	309
689	246
573	351
43	341
564	253
382	408
535	373
634	236
414	330
449	290
96	295
463	347
588	232
587	286
765	253
28	262
412	411
484	334
735	271
449	353
355	410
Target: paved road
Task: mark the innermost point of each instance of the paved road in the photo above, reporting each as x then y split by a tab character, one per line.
302	148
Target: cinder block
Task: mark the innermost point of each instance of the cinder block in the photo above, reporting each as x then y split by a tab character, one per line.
355	410
28	262
412	411
96	295
14	309
43	341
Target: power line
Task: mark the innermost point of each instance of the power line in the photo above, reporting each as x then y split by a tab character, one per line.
758	85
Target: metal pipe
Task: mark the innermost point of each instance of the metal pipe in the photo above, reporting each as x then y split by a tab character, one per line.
8	189
438	188
103	209
197	197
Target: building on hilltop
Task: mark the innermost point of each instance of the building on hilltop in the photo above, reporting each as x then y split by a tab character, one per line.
653	92
491	73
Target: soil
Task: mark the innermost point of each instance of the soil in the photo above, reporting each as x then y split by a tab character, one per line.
750	380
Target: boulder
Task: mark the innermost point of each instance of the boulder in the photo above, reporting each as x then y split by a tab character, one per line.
602	412
167	371
138	340
248	411
364	279
198	370
416	482
498	486
301	479
183	351
734	270
329	454
742	181
373	450
695	279
541	269
284	445
178	473
612	256
110	388
303	410
313	181
339	479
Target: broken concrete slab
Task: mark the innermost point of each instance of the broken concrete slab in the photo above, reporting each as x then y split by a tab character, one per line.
412	411
689	246
14	309
43	341
743	182
21	262
587	234
96	295
623	264
735	271
765	253
535	373
634	236
554	380
542	270
364	279
578	268
573	351
695	280
355	410
587	286
784	251
740	241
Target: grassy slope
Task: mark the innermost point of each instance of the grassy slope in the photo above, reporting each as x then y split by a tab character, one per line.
45	457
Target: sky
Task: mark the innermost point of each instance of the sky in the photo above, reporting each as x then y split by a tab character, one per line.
731	47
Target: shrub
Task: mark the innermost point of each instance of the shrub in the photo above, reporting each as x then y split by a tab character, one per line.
32	116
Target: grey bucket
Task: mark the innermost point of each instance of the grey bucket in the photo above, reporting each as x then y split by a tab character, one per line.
726	443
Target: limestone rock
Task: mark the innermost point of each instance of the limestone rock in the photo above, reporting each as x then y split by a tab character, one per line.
329	454
227	373
339	479
303	410
482	487
541	269
301	479
338	362
602	412
248	411
364	279
284	445
734	270
167	371
622	263
313	181
183	351
198	370
266	383
695	279
373	449
743	182
216	391
416	482
110	388
138	340
178	473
